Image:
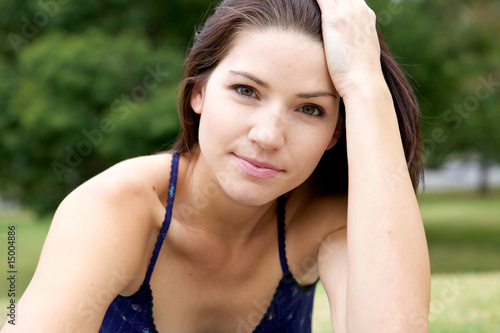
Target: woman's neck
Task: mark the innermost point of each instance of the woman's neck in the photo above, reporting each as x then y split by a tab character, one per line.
202	204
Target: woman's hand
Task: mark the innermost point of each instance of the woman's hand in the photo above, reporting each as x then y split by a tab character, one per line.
351	44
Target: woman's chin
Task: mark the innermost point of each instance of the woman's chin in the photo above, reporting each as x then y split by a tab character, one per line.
248	198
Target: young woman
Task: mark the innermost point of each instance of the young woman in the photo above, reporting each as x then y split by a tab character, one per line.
277	95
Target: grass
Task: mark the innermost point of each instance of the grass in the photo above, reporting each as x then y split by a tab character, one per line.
465	303
30	235
321	312
463	233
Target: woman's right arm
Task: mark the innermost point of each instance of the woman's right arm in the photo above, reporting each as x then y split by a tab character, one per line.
96	245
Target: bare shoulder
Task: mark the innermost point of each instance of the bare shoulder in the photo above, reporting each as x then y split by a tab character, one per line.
133	188
145	170
128	192
96	246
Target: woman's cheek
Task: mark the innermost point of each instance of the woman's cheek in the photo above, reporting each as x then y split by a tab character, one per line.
221	123
313	159
311	146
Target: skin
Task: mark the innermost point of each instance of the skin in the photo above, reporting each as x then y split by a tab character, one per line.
219	266
386	275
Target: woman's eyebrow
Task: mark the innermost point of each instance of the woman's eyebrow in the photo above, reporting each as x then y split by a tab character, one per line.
265	85
315	94
251	77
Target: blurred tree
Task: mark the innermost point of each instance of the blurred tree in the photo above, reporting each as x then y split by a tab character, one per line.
451	51
8	85
84	106
85	84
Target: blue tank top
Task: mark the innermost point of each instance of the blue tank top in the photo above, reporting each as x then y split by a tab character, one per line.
290	309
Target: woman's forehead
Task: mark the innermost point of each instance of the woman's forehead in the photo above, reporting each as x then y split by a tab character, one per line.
272	55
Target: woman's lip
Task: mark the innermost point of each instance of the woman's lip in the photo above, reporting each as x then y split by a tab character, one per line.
255	168
259	164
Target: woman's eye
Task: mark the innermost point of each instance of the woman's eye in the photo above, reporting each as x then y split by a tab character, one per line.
246	91
311	110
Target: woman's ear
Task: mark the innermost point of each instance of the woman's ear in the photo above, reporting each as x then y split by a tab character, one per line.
338	131
197	98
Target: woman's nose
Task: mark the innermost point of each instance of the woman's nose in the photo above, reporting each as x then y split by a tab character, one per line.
268	132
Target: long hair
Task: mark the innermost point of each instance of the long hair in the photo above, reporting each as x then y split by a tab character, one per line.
216	37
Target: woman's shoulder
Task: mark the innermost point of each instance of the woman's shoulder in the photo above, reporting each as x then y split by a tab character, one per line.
127	196
141	178
99	243
137	170
123	203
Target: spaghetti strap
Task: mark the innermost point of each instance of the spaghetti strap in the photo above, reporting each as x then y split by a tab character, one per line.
290	309
168	217
281	233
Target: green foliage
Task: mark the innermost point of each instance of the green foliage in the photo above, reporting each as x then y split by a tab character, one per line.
8	85
74	103
451	50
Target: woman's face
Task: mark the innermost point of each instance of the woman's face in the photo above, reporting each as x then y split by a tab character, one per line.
268	113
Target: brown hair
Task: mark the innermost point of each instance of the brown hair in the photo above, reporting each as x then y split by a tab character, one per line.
216	38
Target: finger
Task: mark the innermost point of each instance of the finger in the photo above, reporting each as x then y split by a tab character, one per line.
323	3
331	7
362	3
327	5
338	6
